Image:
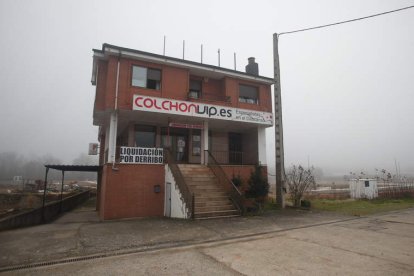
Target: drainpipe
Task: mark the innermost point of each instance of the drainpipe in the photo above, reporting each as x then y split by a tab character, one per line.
115	117
117	82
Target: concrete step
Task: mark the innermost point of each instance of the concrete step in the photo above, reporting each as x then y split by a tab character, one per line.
207	191
185	168
214	208
218	217
216	214
204	186
205	199
193	167
224	202
200	179
211	194
211	200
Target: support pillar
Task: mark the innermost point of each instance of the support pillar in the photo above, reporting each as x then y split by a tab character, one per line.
204	155
44	196
61	191
261	145
113	126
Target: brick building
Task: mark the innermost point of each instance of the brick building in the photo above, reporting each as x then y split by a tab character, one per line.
174	132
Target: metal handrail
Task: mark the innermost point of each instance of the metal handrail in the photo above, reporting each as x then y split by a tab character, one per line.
234	193
187	195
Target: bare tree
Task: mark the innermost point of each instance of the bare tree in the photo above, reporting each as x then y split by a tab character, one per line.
298	181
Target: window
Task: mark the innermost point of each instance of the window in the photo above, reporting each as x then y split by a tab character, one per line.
248	94
146	77
366	184
145	136
195	89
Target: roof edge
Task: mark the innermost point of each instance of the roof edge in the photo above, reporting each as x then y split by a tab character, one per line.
109	49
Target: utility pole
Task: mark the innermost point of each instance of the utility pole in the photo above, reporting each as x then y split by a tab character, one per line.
279	152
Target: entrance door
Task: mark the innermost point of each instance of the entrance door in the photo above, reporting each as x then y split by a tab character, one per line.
235	148
181	146
168	199
177	142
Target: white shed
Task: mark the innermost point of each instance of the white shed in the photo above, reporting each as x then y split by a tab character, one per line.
363	188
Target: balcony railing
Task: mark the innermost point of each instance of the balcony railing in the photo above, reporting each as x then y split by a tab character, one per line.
208	97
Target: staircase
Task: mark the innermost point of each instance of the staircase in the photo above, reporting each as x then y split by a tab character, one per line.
211	201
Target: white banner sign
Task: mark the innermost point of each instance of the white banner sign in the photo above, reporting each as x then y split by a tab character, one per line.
133	155
171	106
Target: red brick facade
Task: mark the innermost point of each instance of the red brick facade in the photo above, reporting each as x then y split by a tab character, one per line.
129	191
175	85
138	190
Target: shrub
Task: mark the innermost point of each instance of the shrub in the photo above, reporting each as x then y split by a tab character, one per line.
298	181
258	185
305	203
237	181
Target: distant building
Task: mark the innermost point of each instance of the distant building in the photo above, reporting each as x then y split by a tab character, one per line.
150	106
363	188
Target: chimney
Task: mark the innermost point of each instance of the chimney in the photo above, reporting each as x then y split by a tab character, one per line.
252	68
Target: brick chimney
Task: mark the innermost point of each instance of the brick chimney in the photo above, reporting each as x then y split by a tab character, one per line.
252	68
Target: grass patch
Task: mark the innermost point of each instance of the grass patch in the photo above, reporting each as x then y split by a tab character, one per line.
268	206
361	207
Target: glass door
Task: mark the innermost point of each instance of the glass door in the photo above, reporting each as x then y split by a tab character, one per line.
177	140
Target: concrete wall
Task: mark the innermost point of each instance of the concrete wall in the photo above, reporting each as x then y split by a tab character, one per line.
50	212
178	206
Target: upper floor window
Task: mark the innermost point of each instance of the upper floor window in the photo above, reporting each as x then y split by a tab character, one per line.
146	77
248	94
195	89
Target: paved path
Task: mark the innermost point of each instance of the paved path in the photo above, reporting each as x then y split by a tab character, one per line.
282	242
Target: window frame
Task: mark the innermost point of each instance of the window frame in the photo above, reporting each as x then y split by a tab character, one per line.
195	93
146	77
145	129
247	99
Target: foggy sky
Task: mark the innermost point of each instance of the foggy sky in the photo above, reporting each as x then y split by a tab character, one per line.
347	91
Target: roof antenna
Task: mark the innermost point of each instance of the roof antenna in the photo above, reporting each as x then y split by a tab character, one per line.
164	47
235	61
218	57
183	48
201	53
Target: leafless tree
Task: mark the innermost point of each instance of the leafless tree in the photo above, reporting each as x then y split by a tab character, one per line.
298	181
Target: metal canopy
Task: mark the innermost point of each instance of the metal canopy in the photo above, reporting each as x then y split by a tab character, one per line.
63	169
75	168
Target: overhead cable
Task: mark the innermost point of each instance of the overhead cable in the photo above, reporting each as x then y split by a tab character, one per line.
343	22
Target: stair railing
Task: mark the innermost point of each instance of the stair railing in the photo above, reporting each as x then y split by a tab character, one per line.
234	193
187	195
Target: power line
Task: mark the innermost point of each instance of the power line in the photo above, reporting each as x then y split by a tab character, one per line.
346	21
